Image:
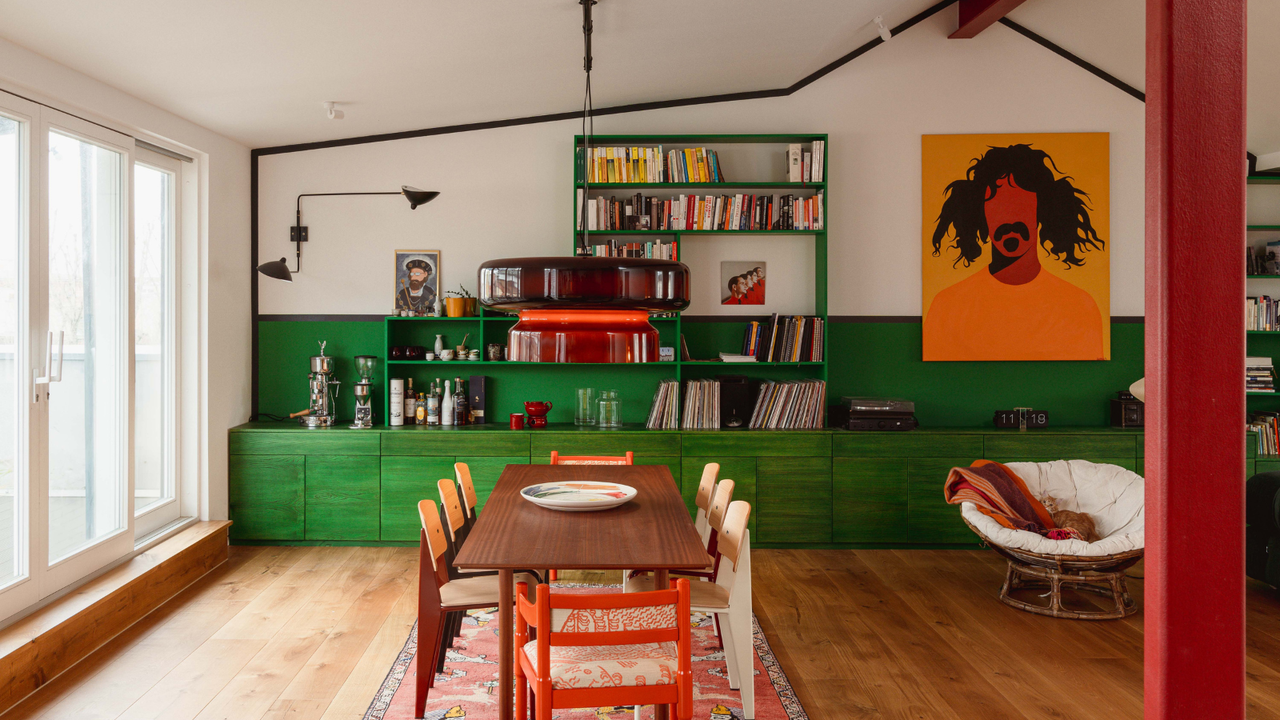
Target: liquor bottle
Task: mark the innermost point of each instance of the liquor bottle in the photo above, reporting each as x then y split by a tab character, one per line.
433	405
446	405
461	416
410	402
420	410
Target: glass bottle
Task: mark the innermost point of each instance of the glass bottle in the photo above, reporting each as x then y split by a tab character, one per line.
461	414
410	401
420	410
433	405
446	405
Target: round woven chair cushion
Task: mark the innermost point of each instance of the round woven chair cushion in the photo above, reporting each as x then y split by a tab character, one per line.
1112	496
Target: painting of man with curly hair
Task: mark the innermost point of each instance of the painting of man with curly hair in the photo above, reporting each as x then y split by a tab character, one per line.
1016	263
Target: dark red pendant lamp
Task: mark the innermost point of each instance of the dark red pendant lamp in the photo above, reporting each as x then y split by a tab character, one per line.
584	309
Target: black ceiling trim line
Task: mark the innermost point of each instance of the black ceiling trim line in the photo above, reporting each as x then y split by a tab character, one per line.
1059	50
615	110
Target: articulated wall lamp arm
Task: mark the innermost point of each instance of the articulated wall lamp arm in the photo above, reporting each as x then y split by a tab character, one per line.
279	269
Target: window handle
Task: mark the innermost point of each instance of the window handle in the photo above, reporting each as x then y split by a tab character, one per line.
49	376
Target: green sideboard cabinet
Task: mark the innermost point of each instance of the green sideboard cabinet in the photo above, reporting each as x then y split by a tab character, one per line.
828	488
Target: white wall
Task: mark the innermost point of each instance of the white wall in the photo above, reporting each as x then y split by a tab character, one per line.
507	191
224	229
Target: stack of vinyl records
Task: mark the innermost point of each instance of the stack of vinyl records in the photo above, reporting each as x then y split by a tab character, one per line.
1259	375
701	405
664	413
792	405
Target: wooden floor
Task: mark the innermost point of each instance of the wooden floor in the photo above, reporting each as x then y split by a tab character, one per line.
301	633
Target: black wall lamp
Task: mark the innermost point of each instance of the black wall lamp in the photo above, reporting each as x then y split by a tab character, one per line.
279	269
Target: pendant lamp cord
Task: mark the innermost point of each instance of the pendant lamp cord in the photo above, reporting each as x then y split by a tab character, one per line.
588	125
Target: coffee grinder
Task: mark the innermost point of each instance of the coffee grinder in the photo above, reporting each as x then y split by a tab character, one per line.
364	392
324	392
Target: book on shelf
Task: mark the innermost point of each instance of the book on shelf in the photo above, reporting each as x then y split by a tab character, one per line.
789	405
664	413
736	358
651	165
701	405
1259	375
1260	313
710	212
663	249
805	165
785	339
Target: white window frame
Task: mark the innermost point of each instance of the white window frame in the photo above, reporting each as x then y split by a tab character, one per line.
157	516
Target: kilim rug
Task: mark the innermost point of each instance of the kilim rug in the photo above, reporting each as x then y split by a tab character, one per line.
467	688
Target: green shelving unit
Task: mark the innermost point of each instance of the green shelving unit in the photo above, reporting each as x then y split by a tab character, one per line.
512	383
1253	400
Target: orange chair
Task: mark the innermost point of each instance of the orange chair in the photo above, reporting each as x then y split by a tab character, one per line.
556	459
438	595
598	650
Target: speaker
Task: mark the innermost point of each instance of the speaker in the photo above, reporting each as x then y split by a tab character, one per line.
735	401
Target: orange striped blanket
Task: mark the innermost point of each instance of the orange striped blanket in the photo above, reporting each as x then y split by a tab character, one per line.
999	494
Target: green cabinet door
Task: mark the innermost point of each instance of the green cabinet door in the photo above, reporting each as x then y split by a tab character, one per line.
794	499
485	472
265	494
342	497
929	518
741	470
405	481
869	500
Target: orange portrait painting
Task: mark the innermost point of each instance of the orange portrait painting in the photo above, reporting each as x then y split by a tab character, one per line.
1016	246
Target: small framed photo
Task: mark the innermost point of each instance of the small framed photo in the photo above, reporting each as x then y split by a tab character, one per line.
742	282
417	281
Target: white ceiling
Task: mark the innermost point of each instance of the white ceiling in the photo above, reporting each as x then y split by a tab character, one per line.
258	71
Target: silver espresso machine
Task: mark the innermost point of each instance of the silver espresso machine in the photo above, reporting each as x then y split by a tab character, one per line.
324	393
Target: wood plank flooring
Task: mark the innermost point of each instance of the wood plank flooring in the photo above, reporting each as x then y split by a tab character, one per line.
309	633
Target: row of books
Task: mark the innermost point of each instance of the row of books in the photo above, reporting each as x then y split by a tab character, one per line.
791	338
653	165
701	405
790	405
664	413
806	166
660	249
1266	425
1260	313
1259	376
710	212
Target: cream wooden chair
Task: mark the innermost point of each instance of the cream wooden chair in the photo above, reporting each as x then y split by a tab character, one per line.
439	595
469	499
728	599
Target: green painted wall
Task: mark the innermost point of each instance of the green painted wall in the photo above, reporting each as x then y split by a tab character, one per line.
867	358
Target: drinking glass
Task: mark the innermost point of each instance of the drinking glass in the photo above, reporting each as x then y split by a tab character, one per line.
610	405
584	411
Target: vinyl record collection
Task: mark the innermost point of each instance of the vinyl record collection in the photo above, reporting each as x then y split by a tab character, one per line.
664	413
787	339
701	405
790	405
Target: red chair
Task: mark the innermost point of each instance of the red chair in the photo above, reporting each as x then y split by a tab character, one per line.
556	459
598	650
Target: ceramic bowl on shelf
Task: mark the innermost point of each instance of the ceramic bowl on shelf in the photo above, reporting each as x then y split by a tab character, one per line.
578	496
446	355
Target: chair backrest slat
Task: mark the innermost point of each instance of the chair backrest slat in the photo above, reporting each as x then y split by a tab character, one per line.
558	459
430	517
452	506
733	530
708	485
463	471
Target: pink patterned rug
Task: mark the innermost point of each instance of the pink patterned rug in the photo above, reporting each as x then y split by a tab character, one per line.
466	690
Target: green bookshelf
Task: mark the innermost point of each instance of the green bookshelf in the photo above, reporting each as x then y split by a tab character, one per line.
512	383
1253	399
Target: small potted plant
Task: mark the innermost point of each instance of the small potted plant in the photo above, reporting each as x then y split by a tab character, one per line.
459	303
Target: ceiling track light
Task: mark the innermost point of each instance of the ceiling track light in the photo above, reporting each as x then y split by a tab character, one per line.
885	33
331	107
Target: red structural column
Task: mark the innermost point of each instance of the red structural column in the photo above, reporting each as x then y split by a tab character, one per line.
1195	359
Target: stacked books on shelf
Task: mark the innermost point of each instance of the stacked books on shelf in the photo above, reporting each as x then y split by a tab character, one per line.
791	405
711	212
1259	376
806	165
1266	425
653	165
664	249
787	339
701	405
664	413
1260	313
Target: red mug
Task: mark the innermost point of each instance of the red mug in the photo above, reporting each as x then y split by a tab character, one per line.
537	409
517	421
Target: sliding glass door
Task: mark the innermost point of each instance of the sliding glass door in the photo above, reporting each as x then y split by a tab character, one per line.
14	203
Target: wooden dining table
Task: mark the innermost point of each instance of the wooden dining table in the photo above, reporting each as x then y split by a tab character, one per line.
652	531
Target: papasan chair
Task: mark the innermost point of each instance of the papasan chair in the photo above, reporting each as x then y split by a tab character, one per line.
1113	496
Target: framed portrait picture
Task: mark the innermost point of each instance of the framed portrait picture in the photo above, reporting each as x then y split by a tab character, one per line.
1016	247
417	280
742	282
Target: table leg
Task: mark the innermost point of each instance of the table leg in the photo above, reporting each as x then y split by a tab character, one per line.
660	582
506	645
